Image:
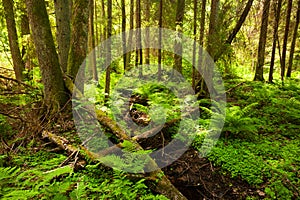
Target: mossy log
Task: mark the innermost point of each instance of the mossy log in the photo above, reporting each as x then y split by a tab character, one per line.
156	180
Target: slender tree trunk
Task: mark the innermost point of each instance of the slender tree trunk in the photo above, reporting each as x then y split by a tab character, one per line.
240	22
139	51
124	34
194	47
285	39
236	28
130	36
13	39
201	40
259	73
147	19
103	17
26	42
63	31
275	33
79	40
108	52
212	32
55	95
290	64
91	42
160	15
199	83
178	45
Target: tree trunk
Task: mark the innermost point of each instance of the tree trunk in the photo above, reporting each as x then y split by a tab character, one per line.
194	47
236	29
212	32
18	64
139	51
124	34
130	33
275	33
285	39
108	51
290	64
178	44
79	39
91	43
240	22
159	39
201	41
259	73
63	34
147	19
55	94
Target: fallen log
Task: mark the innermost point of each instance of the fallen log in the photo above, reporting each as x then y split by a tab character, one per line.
156	180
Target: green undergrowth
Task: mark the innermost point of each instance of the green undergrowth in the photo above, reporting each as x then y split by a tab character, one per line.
260	140
40	176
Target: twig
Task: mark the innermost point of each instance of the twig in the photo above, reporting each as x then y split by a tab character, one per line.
230	89
17	81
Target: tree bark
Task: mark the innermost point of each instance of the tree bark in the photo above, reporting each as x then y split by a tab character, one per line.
178	44
130	36
236	29
259	76
55	94
147	39
123	7
18	63
108	52
194	46
160	15
63	31
79	40
91	42
139	51
212	32
290	64
275	33
285	39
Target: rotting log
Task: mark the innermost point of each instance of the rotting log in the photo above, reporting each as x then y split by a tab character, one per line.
156	180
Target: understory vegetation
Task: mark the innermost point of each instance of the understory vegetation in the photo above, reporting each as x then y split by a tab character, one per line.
259	144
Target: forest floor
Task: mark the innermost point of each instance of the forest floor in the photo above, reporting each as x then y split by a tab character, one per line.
228	171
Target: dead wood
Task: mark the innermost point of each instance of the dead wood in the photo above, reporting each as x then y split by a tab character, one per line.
157	181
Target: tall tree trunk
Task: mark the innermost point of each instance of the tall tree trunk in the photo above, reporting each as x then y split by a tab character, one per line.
26	42
139	51
236	28
240	22
91	42
178	44
130	36
198	80
79	39
55	94
285	39
18	64
108	51
201	40
63	31
259	73
275	34
160	15
212	32
290	64
194	47
147	39
124	34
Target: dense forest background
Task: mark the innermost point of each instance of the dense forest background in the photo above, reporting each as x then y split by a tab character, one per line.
50	58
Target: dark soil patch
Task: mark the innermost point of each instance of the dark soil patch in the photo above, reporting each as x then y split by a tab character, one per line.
197	178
